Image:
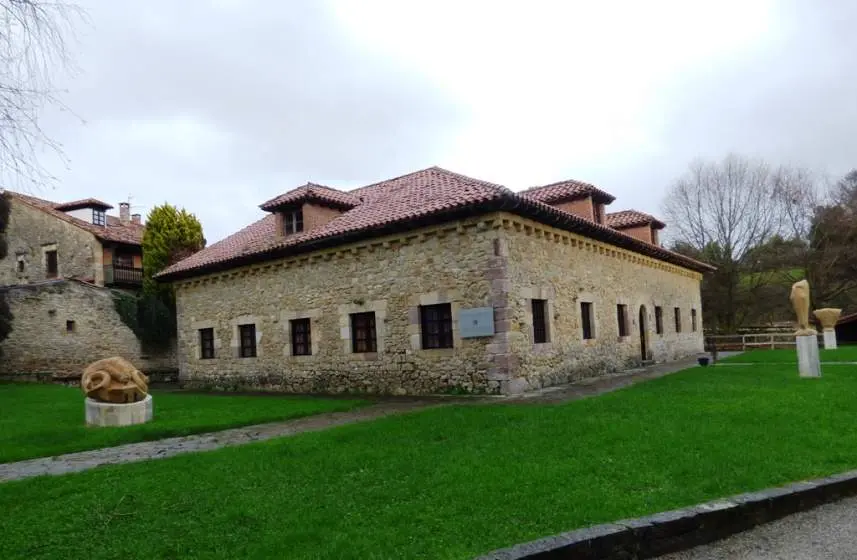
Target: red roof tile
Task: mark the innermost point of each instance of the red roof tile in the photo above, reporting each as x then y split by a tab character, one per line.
631	218
567	190
83	203
427	196
312	193
129	234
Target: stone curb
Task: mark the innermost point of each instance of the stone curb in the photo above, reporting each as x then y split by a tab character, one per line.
673	531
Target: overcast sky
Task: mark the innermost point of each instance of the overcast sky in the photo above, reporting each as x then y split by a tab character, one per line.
219	105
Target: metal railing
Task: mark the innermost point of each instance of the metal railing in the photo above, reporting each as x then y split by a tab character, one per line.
126	275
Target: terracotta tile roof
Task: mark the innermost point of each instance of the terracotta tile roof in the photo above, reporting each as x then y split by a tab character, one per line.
313	193
567	190
631	218
424	197
129	234
82	203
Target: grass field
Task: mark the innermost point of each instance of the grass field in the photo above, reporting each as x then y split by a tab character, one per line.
451	482
789	356
44	420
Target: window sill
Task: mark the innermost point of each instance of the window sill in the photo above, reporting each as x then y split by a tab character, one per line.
436	351
301	358
364	356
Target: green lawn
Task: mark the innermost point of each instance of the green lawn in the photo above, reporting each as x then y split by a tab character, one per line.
789	356
44	420
451	482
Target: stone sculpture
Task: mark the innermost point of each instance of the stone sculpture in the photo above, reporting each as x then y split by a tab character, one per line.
828	318
800	301
114	380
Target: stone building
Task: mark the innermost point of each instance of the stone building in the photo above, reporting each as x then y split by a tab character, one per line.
63	261
48	240
434	282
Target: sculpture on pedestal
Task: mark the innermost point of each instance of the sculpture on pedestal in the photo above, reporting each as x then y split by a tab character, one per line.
828	318
114	380
800	301
806	338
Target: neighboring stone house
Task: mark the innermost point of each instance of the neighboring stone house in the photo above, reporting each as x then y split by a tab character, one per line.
63	261
433	282
77	239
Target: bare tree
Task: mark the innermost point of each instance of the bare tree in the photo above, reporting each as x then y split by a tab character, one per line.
33	46
730	203
724	211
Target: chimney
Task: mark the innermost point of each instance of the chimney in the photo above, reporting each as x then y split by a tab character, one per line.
136	219
124	213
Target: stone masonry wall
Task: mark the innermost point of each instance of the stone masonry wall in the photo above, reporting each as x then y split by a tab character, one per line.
391	276
566	269
31	232
61	326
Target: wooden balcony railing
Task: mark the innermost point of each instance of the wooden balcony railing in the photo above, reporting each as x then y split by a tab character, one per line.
122	275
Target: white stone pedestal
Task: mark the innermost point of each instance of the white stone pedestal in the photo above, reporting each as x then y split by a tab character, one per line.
808	363
113	414
829	339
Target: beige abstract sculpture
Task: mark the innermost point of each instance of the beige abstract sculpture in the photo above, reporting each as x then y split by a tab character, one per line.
827	317
800	301
114	380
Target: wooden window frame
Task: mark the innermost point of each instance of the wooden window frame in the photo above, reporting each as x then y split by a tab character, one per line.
99	217
693	324
301	330
587	320
677	312
622	319
206	343
541	332
436	326
364	334
659	320
293	221
247	340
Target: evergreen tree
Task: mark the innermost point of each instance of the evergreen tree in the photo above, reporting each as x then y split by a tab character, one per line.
171	235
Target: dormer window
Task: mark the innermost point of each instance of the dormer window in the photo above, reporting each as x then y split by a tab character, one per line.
99	217
293	221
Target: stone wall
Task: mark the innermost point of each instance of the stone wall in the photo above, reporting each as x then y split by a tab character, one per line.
498	261
31	232
61	326
390	276
566	269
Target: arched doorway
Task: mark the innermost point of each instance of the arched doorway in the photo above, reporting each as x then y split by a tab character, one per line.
644	343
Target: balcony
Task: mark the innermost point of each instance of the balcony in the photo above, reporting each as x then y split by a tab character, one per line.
116	275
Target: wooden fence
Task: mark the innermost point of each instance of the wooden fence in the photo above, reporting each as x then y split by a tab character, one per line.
744	342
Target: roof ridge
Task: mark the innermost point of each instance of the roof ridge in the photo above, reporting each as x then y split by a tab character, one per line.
555	183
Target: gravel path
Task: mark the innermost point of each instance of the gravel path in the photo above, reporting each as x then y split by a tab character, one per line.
160	449
828	532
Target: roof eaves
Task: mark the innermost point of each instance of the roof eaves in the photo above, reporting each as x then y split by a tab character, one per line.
503	201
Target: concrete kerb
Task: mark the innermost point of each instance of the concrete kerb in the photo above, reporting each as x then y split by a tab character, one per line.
673	531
